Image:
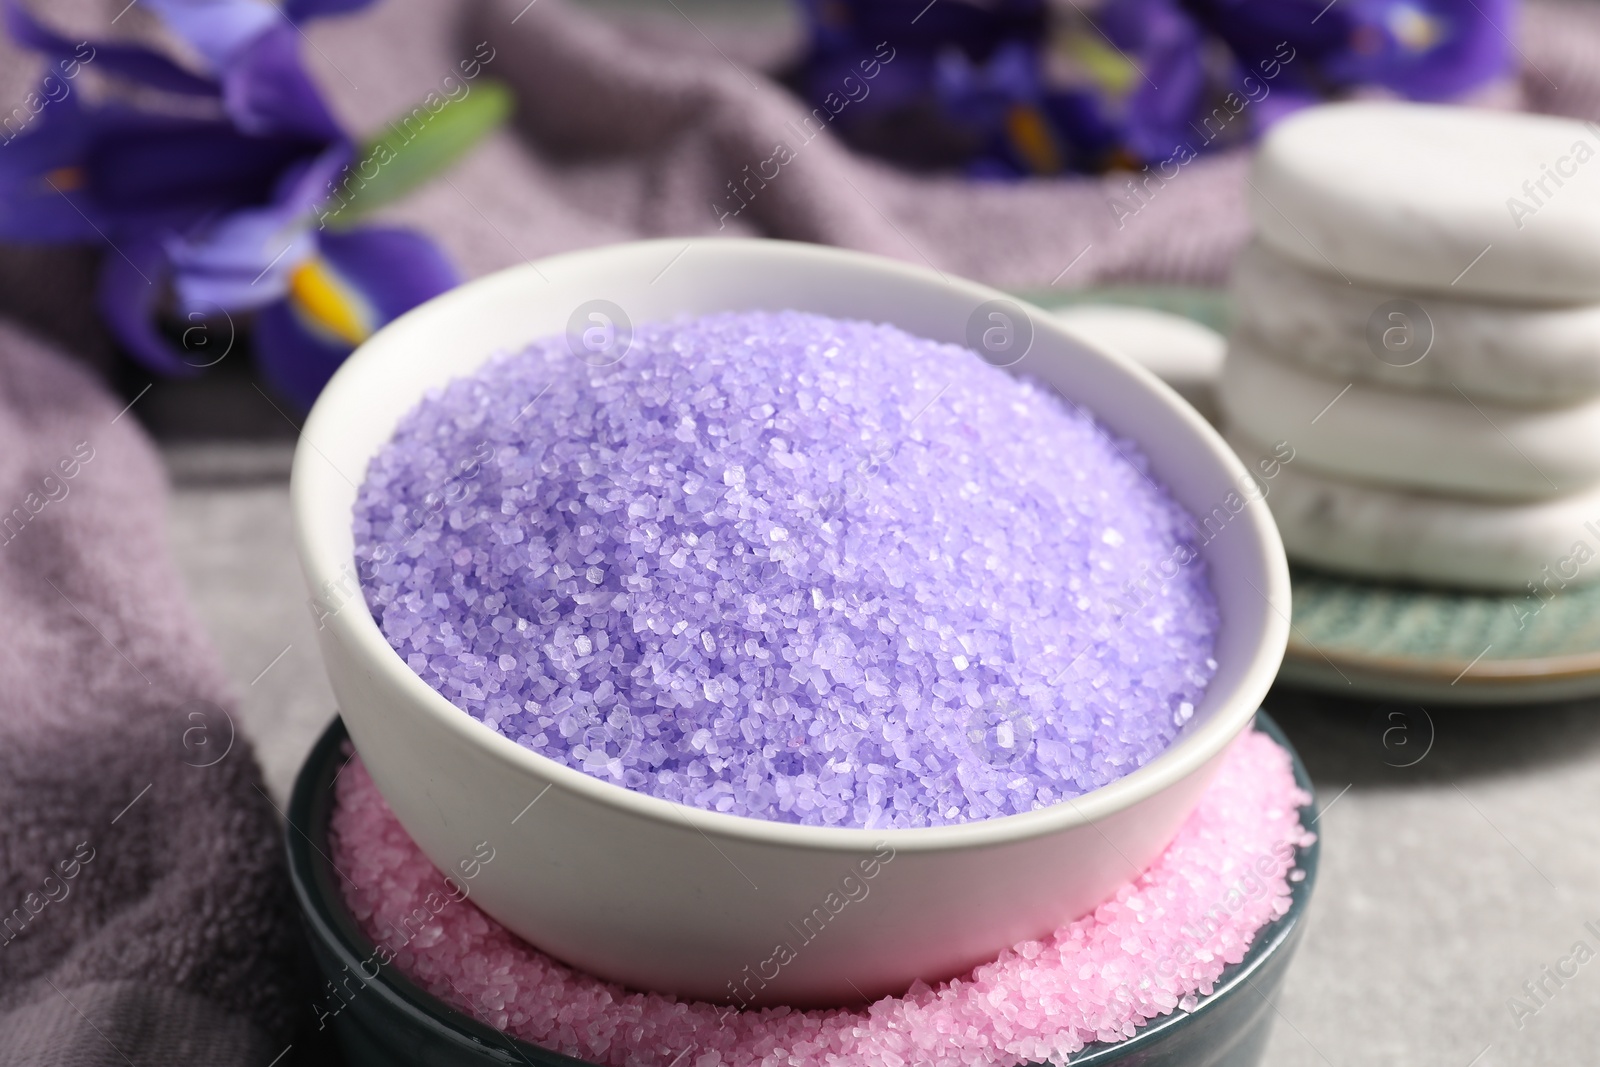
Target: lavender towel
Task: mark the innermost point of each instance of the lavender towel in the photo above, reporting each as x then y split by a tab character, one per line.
143	913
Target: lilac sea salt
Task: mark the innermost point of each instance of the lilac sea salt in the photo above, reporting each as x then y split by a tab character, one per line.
790	567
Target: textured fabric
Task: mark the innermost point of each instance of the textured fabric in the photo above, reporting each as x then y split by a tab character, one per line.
140	865
152	1024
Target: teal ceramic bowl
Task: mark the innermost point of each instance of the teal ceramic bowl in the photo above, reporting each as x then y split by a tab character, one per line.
394	1023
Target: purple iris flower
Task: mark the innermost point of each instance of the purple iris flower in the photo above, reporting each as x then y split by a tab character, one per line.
211	208
965	87
969	87
1425	49
1022	126
1434	50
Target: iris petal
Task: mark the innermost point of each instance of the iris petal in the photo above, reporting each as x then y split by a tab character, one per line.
394	268
129	172
301	10
293	360
39	171
244	264
1168	95
1425	49
216	29
124	60
141	164
266	89
132	282
245	259
362	279
1422	49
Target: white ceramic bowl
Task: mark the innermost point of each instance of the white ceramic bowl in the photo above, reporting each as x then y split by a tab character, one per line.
669	898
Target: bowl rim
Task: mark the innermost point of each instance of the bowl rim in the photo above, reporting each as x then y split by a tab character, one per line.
328	921
354	627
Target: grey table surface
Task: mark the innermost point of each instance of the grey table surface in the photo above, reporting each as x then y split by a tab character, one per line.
1445	886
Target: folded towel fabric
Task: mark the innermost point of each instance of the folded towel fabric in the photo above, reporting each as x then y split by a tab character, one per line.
144	913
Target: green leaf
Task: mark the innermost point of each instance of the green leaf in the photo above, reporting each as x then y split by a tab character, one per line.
417	146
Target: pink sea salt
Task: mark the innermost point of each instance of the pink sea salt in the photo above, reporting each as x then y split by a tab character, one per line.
1159	943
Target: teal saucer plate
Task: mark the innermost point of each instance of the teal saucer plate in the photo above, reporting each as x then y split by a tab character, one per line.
1395	641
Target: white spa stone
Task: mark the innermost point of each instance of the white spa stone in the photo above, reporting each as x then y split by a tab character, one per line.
1435	442
1425	197
1384	533
1515	354
1180	351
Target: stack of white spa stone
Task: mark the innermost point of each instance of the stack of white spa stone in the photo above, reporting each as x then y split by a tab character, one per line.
1419	319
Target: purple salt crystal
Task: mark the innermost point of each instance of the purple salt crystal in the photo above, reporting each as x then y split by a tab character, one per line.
790	567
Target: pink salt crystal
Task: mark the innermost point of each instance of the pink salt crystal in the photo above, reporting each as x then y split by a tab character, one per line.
1095	979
